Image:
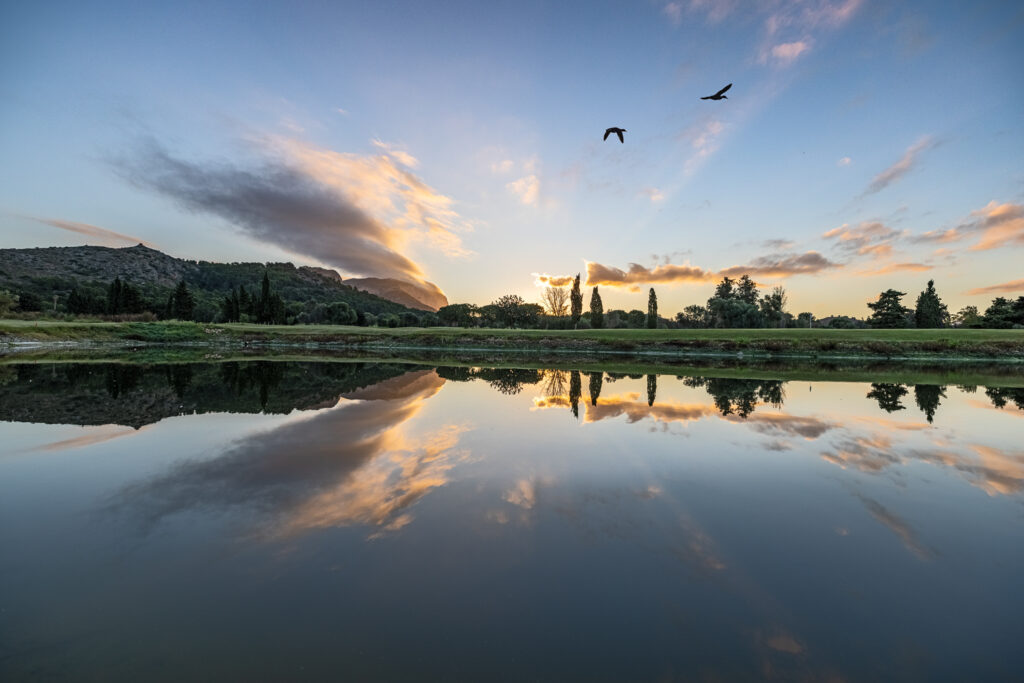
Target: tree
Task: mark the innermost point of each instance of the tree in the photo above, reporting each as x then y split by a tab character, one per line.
596	310
805	319
999	314
889	311
507	309
8	302
457	315
930	312
888	396
181	304
746	290
692	317
576	299
556	300
724	289
652	310
968	316
773	307
652	389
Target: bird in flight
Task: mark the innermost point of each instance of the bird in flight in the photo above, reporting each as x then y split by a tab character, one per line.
617	131
718	95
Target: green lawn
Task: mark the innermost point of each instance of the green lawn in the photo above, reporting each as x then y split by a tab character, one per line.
889	343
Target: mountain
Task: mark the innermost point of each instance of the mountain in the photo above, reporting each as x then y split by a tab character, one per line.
426	297
51	273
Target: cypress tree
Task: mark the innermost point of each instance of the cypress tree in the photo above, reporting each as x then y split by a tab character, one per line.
930	311
576	297
596	310
596	380
182	303
652	387
652	310
575	390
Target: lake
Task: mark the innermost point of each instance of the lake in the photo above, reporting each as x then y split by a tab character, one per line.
374	520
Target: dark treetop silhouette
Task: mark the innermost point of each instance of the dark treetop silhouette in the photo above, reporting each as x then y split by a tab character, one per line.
617	131
718	95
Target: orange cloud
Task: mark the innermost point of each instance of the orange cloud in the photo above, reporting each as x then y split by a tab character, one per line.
867	239
545	280
106	237
1000	224
897	267
783	265
1004	288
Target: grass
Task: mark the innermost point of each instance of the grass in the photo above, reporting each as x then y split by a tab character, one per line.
1006	345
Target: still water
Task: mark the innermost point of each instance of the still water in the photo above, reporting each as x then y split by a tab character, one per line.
377	521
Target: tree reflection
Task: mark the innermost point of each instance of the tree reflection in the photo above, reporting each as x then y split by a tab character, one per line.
596	379
888	396
739	397
927	398
1000	396
575	391
652	389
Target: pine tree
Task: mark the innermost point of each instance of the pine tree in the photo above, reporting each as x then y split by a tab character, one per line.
596	310
930	311
115	297
576	298
182	303
889	311
652	310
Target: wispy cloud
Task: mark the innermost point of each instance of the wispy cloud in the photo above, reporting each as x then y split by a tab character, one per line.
783	265
1011	287
653	193
503	166
845	161
896	268
784	53
704	138
901	167
770	266
995	225
353	212
527	189
870	238
397	154
106	237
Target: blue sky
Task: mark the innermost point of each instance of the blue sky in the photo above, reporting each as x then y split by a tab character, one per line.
863	145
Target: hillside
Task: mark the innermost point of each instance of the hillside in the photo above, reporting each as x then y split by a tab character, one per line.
405	293
46	273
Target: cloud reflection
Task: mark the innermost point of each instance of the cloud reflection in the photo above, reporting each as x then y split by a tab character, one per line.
346	465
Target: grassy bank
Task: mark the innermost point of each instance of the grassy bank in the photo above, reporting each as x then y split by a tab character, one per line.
1003	345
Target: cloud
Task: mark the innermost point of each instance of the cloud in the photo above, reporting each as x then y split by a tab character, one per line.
343	112
845	161
356	213
545	280
503	166
870	238
995	225
398	155
1005	288
714	11
784	53
1000	225
704	140
901	167
653	193
674	12
900	527
771	266
898	267
599	274
526	188
783	265
778	243
105	237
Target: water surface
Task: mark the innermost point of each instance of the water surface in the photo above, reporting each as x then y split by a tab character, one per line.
379	521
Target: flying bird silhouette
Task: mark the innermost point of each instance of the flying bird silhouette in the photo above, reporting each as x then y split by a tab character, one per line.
617	131
718	95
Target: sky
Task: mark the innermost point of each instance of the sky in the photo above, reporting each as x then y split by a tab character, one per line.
863	145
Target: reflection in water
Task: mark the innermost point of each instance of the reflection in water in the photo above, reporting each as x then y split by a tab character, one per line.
397	522
354	466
